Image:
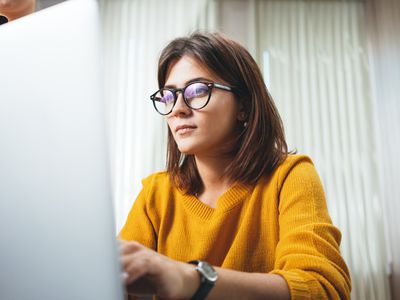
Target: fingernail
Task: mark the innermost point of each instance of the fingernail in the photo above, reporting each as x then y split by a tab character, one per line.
124	276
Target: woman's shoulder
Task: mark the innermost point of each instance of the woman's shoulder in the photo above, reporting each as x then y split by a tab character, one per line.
160	176
157	180
155	187
298	165
295	159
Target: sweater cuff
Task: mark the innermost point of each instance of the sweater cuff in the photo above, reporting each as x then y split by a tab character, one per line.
299	288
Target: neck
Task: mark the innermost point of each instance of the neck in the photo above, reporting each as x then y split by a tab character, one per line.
211	170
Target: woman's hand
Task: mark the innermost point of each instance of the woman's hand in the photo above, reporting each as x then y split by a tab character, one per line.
14	9
168	278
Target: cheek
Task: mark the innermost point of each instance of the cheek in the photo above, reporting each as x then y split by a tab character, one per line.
226	119
169	123
219	128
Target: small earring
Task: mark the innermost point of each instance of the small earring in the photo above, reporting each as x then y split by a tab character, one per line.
242	116
245	124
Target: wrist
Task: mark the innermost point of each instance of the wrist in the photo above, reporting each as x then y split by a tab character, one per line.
191	280
208	278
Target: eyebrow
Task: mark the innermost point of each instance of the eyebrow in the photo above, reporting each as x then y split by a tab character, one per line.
190	81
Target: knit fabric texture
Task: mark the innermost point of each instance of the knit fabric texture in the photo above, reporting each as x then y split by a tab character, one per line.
279	226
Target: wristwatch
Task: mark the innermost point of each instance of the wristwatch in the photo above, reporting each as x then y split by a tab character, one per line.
208	278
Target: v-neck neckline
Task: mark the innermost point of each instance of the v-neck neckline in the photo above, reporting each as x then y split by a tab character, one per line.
229	199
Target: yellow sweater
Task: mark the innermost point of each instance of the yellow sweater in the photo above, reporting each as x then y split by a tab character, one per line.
280	226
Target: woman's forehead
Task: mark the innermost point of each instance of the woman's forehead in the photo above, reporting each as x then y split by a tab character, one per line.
184	69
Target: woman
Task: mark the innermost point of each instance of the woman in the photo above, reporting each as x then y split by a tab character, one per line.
250	217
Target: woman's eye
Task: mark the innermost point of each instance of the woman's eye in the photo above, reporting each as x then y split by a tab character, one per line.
165	97
196	90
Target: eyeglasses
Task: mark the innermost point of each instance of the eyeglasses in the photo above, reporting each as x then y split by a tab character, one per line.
196	96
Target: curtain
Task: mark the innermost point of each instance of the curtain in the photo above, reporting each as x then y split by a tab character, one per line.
315	62
135	31
384	44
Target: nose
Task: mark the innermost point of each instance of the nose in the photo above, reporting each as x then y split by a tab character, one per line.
180	107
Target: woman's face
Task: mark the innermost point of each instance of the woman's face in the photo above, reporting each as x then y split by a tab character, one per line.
210	130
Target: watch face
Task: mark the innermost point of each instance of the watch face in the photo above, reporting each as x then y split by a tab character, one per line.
208	271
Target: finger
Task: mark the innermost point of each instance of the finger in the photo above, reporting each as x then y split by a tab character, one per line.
125	260
119	242
128	260
135	266
129	247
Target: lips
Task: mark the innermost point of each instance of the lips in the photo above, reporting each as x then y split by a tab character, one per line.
184	128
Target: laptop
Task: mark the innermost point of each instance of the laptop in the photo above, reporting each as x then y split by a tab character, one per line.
57	230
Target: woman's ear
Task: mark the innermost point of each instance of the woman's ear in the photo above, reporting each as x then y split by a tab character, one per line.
242	116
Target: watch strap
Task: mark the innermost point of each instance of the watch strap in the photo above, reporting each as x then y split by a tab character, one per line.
205	285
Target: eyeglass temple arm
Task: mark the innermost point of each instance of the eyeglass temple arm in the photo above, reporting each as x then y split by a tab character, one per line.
223	87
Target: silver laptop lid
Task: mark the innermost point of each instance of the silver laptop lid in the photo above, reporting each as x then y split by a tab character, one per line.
56	219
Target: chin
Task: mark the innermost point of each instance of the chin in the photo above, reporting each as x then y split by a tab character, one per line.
186	149
191	147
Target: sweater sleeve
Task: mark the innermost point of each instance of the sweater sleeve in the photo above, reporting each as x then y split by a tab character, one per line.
138	226
308	254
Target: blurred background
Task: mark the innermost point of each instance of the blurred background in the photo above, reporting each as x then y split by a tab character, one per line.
333	68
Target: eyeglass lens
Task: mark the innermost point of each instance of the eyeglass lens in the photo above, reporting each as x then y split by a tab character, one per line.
195	94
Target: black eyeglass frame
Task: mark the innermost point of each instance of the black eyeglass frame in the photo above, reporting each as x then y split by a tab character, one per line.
210	85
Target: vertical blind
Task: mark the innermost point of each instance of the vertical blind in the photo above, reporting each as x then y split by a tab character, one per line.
318	72
135	32
384	41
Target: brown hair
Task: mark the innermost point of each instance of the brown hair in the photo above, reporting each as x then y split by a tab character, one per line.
260	147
